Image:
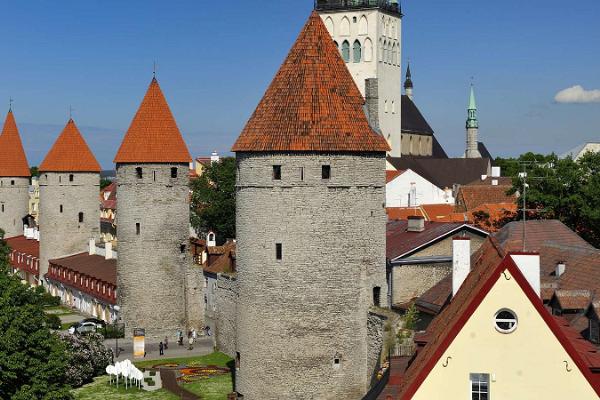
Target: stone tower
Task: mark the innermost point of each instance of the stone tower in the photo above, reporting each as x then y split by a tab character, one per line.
14	179
311	231
69	204
154	266
368	34
472	128
408	83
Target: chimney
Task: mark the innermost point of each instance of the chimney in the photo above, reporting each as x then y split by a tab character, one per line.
214	157
529	265
108	253
211	239
416	223
496	172
561	268
494	182
461	261
92	246
372	102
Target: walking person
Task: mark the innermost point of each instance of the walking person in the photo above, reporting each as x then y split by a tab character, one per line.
161	348
194	335
166	342
191	343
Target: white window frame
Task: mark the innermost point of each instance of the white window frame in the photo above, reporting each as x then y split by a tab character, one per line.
515	320
479	375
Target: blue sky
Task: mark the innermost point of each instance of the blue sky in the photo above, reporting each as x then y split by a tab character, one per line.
215	60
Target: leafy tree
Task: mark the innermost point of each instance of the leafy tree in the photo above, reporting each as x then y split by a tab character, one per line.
34	171
88	358
32	359
104	183
213	200
512	166
566	190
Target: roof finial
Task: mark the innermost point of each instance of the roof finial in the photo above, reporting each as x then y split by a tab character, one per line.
154	70
70	112
10	103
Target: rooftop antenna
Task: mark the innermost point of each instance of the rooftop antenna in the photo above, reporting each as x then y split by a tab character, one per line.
10	103
524	176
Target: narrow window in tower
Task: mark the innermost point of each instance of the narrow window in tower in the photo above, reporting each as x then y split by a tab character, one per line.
12	183
346	51
326	171
71	177
376	296
174	172
357	51
154	176
301	173
278	251
138	172
61	208
137	228
59	179
237	360
276	172
80	217
2	207
182	248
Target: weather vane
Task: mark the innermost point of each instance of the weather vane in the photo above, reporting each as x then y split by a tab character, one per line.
70	112
154	69
10	103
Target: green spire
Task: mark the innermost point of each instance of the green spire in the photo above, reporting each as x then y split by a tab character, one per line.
472	111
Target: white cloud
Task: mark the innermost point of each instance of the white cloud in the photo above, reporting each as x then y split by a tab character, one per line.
577	94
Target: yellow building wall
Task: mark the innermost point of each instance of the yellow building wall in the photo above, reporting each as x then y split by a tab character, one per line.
527	364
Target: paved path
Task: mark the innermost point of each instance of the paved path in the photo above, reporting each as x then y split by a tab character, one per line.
169	382
202	346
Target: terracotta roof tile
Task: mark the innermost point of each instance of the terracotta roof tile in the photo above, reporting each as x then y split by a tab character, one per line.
470	197
94	266
153	136
70	153
391	175
312	104
573	299
24	245
13	161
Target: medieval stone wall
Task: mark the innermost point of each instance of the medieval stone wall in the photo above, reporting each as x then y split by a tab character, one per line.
410	281
153	268
61	201
302	323
14	205
224	317
375	329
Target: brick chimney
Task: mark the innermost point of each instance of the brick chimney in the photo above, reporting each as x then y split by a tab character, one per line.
416	223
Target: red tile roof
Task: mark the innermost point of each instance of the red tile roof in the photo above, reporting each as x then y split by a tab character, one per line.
450	322
471	196
226	262
153	136
397	213
25	246
70	153
94	266
391	175
400	242
573	299
312	104
13	161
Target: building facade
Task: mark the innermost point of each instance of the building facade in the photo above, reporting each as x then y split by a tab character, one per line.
14	179
368	35
310	232
69	187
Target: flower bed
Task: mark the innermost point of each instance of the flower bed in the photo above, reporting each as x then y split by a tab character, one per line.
165	365
191	374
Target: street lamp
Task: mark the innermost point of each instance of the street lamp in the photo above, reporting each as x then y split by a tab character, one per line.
117	326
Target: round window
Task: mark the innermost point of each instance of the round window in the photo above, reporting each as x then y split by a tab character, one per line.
505	321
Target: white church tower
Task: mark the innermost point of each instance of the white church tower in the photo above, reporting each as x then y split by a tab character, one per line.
368	34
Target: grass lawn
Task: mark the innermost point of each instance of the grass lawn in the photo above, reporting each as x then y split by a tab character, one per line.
218	359
101	390
59	310
215	388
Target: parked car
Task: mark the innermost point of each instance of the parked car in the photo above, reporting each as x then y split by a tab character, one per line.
84	327
99	323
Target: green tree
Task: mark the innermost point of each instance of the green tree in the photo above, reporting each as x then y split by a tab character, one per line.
566	190
34	171
32	359
104	183
213	200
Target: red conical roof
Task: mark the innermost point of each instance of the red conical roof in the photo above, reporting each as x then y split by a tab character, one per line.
153	136
13	161
70	153
312	104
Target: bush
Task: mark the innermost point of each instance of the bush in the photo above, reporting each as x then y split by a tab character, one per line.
411	318
88	358
53	321
47	299
112	331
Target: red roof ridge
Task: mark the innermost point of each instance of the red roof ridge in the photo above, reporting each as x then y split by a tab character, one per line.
312	104
13	161
153	136
70	153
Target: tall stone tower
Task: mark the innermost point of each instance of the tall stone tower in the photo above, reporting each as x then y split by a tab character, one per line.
69	204
311	231
14	179
368	34
472	128
153	223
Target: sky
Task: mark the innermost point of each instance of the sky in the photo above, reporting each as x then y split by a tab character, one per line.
535	66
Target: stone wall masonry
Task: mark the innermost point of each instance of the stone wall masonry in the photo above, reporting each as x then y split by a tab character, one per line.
298	315
14	205
410	281
226	305
61	201
375	329
153	268
444	247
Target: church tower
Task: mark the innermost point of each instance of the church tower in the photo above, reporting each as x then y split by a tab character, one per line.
368	34
472	129
69	205
310	223
408	83
153	226
14	179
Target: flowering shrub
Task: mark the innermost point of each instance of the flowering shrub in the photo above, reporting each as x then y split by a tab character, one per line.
192	374
88	358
